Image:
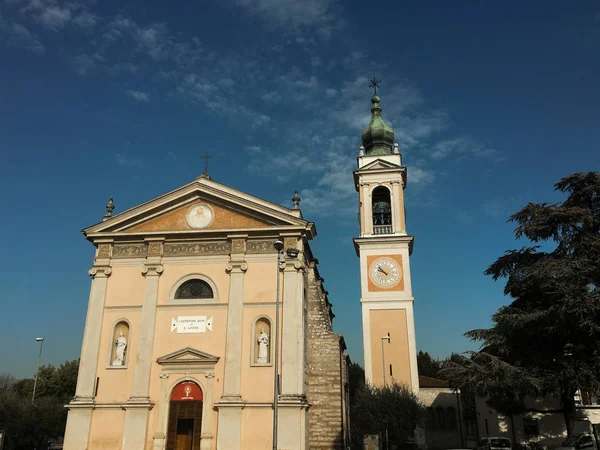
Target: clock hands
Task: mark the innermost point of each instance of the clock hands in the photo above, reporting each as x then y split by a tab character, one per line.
382	271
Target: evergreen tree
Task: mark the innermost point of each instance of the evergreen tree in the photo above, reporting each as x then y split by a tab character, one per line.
428	366
373	410
547	340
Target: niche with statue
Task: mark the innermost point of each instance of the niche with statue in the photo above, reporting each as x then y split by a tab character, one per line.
261	338
119	344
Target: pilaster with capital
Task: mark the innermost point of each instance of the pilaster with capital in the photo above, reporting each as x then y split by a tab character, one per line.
292	368
398	207
137	411
90	347
233	353
79	420
229	433
141	376
367	208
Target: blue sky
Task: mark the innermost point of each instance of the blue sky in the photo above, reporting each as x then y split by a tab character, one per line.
491	103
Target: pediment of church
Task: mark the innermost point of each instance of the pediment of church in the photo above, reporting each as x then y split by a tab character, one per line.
379	164
203	205
187	355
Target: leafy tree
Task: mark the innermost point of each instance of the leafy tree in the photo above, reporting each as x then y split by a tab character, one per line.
31	425
547	341
375	409
428	366
58	382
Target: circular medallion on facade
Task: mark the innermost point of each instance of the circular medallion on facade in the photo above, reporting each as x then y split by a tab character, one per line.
385	272
199	216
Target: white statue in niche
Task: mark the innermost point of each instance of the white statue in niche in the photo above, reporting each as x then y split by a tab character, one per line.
121	344
263	349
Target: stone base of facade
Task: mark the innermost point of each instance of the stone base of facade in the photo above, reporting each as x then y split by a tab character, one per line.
77	432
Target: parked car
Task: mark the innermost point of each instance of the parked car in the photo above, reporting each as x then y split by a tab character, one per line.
580	441
495	443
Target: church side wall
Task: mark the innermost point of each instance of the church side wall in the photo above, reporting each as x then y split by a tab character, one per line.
325	383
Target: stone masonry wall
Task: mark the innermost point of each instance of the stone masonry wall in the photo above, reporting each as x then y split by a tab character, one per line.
325	376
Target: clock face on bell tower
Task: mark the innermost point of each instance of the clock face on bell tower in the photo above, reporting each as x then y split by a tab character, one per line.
385	273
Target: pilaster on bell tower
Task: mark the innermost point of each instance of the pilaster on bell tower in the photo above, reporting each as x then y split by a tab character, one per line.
384	249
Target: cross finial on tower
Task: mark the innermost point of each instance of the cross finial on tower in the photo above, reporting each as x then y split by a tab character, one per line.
374	84
205	173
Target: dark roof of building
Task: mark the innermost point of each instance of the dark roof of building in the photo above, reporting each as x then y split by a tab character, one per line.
429	382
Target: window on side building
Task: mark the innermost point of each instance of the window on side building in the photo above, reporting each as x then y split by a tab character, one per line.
531	427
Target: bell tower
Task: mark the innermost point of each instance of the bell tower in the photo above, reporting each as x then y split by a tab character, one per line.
384	249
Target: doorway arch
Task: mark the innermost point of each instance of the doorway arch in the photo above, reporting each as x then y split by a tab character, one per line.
185	417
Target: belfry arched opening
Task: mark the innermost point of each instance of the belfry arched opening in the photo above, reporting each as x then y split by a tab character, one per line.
185	417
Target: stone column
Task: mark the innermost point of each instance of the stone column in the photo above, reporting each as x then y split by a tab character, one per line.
397	208
293	417
367	209
139	404
80	408
230	404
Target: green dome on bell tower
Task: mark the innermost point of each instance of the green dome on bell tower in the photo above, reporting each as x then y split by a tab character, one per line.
378	137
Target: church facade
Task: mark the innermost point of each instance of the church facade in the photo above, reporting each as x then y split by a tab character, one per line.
179	346
384	248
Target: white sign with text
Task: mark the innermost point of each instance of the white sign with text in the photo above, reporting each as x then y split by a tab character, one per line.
191	324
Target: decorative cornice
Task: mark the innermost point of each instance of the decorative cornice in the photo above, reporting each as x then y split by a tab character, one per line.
129	250
260	246
290	243
100	272
238	246
155	248
152	270
103	251
196	248
236	267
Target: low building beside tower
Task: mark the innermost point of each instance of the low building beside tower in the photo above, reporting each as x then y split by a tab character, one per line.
179	347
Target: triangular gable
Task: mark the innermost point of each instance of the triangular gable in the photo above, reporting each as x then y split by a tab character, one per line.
176	220
232	209
379	164
187	355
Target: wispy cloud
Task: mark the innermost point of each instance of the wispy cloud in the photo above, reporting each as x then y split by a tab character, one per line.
56	15
283	94
129	161
312	14
86	20
20	36
83	63
461	146
138	95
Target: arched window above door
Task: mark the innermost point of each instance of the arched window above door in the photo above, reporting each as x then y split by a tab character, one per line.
194	289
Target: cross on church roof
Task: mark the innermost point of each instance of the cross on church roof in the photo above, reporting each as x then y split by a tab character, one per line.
374	83
206	157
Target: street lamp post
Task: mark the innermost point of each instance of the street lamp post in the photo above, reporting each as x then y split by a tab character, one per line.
383	355
278	246
41	341
383	338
